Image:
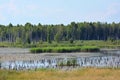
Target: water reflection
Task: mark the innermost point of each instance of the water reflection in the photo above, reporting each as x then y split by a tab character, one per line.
100	62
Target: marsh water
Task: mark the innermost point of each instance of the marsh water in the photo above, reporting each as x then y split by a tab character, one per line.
100	62
61	60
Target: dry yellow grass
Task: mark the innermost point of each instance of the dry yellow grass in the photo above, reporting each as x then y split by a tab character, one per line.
82	74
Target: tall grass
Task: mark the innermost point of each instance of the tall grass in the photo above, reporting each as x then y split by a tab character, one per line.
80	74
69	63
55	49
99	43
65	49
89	49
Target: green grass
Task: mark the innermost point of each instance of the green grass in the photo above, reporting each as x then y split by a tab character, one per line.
65	49
99	43
72	62
89	49
55	49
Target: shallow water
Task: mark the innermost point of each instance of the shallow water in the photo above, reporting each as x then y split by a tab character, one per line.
99	62
21	59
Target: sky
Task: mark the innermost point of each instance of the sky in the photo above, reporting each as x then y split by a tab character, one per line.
58	11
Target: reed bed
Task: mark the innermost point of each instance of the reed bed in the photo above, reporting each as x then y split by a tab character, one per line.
65	49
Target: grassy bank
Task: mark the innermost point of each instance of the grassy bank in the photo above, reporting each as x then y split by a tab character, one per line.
82	74
65	49
99	43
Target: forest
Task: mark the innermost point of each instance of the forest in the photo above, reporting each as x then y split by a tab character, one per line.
30	33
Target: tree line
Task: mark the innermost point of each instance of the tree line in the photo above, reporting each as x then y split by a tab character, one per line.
30	33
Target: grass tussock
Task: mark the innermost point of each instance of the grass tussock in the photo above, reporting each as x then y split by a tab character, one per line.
82	74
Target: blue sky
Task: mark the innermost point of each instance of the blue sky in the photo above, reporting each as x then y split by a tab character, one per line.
58	11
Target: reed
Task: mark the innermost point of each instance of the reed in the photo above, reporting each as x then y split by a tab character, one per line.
65	49
55	49
90	49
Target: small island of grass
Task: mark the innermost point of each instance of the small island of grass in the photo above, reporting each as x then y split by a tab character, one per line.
65	49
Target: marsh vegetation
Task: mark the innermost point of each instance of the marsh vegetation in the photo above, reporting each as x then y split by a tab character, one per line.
65	49
50	74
